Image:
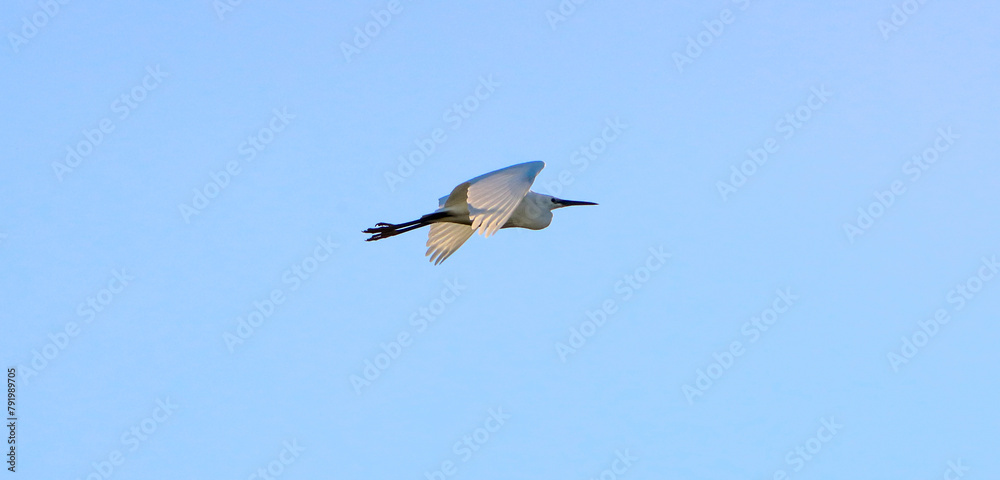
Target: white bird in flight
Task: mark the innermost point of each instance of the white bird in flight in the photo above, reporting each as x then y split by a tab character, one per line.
487	203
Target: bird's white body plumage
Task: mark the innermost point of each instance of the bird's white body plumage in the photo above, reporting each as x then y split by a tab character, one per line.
487	203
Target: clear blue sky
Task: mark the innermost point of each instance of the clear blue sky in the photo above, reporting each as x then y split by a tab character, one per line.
791	270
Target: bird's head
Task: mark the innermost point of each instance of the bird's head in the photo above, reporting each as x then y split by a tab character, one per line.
540	206
554	203
548	202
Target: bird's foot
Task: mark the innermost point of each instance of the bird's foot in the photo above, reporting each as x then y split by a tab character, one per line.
380	227
381	230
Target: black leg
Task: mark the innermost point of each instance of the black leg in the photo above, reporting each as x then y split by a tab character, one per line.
384	230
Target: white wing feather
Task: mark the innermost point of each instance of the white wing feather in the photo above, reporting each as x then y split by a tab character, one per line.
445	238
493	197
489	199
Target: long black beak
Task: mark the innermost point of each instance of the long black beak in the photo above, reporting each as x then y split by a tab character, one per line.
570	203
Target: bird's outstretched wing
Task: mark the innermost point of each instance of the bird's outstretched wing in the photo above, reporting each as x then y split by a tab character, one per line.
444	238
490	200
493	197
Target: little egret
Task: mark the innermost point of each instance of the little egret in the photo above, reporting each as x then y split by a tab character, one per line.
487	203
